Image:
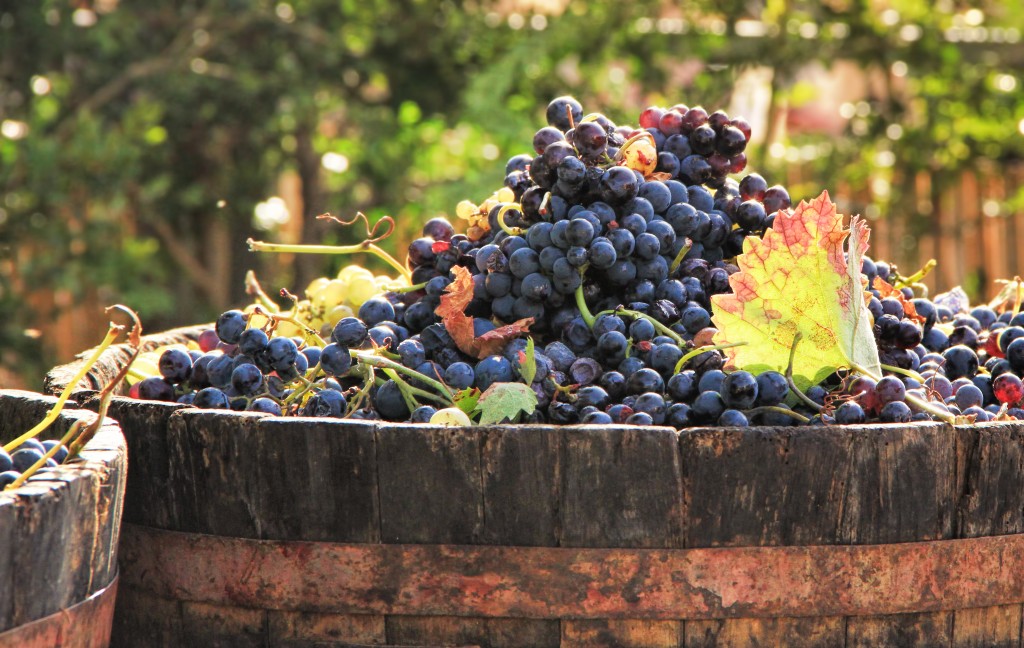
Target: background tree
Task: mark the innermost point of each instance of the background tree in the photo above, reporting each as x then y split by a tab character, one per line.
138	139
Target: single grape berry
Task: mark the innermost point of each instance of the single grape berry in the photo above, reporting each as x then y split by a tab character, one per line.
230	326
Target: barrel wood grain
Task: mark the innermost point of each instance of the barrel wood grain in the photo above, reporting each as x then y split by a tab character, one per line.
796	632
430	484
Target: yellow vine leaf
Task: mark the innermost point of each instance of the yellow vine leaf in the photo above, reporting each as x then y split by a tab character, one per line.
796	280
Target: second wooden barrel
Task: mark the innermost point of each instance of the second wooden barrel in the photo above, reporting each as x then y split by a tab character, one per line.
59	535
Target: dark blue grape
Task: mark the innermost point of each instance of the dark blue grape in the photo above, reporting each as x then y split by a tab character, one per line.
584	371
175	365
683	386
24	458
325	403
376	310
652	404
246	379
211	398
252	341
645	380
639	418
264	405
614	383
733	418
961	362
618	185
850	413
711	380
706	408
389	402
230	326
602	254
739	390
48	445
772	388
597	418
492	369
592	395
335	359
350	332
895	412
439	228
156	388
422	414
459	375
664	357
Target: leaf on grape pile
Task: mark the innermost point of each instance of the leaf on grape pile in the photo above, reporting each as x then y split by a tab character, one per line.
466	399
795	280
456	297
885	289
505	400
528	362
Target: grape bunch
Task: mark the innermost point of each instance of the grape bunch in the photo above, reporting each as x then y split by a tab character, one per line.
25	456
605	243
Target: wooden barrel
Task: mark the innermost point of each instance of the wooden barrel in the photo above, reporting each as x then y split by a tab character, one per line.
245	530
59	535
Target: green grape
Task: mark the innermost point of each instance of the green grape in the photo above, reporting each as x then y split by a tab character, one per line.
450	416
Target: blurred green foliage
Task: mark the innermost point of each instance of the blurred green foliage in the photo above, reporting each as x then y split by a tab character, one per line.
137	138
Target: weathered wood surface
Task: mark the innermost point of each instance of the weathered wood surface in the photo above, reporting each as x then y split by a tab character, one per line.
111	361
59	531
86	624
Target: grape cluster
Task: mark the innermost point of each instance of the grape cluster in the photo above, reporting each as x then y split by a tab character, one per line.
25	456
608	241
962	360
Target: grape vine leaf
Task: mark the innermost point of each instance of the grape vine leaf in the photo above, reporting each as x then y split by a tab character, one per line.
451	310
528	362
466	399
885	289
796	280
505	400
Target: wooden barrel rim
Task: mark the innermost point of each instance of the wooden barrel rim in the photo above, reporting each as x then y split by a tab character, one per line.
83	624
577	583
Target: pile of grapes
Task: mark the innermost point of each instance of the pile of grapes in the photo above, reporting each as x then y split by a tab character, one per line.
591	276
25	456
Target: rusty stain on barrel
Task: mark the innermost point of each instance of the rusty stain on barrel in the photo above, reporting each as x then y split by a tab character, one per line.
539	582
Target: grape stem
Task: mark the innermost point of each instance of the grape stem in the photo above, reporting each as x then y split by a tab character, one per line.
253	289
71	433
291	319
903	282
409	392
404	388
55	411
581	303
683	251
789	376
701	350
919	403
905	372
384	363
661	328
364	247
778	410
408	289
511	231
